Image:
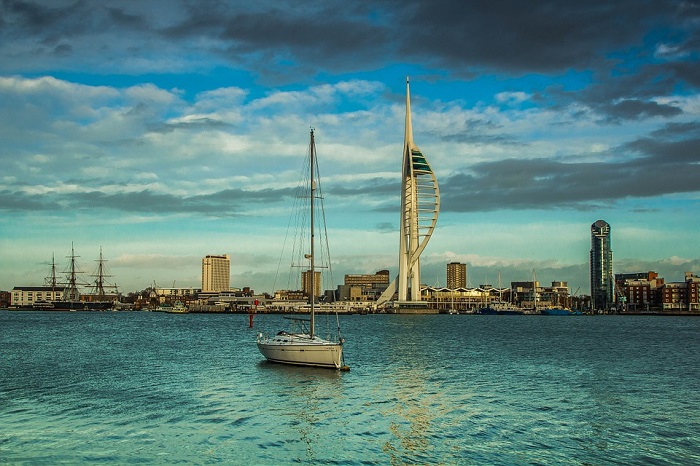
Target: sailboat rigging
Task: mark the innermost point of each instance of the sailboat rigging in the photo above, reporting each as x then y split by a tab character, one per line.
306	348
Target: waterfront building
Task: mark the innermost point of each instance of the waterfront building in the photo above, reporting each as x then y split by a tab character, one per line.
465	300
420	205
306	283
177	292
556	295
29	295
5	298
456	275
525	294
172	295
642	291
646	292
363	287
601	267
681	296
216	273
370	280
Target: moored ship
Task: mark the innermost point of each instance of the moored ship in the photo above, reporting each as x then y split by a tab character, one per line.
65	295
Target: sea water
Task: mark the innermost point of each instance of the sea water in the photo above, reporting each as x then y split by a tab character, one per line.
140	387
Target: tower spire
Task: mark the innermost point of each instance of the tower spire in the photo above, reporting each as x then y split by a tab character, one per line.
408	129
420	204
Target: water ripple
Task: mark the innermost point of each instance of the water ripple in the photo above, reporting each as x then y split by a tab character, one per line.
155	388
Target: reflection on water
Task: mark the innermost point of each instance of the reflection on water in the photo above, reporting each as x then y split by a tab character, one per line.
161	388
412	417
428	405
308	398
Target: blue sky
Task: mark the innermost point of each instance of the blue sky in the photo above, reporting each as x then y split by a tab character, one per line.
163	131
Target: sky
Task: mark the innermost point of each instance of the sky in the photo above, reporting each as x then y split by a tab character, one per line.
163	131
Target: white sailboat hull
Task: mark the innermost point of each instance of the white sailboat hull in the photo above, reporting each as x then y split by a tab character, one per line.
301	350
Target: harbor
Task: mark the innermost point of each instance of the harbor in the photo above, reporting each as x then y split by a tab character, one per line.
145	387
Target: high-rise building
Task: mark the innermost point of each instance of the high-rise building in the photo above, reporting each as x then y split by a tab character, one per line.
306	283
456	275
602	281
216	273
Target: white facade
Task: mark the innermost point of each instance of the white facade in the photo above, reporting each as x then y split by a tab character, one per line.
177	292
28	295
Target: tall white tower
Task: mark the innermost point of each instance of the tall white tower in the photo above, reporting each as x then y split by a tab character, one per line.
420	205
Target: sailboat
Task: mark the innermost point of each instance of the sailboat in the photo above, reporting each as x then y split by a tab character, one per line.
305	347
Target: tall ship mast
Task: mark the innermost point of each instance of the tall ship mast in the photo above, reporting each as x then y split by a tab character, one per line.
71	292
100	283
51	279
70	299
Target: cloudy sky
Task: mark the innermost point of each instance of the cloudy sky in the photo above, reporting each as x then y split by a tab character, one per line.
163	131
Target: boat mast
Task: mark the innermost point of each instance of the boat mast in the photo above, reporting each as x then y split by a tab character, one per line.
534	289
71	293
100	278
311	258
51	279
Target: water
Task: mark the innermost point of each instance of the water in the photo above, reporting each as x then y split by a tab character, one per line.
121	387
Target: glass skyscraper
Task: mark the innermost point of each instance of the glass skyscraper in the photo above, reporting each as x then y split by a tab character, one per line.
602	280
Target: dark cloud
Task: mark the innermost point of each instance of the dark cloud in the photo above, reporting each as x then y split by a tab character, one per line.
130	21
619	95
673	130
62	50
376	187
222	203
660	155
466	37
655	166
479	131
16	201
514	36
632	109
48	23
636	51
195	125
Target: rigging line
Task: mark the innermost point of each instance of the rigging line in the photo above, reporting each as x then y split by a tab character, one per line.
324	239
293	219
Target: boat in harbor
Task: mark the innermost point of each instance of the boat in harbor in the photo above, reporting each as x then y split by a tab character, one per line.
559	311
302	346
65	295
500	308
177	308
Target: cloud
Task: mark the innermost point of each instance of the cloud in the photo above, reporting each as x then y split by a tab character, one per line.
522	37
549	184
631	109
229	202
512	98
505	35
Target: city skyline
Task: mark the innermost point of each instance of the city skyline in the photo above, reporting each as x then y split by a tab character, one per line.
164	133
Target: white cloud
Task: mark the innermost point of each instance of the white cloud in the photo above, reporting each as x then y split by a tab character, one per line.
512	98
